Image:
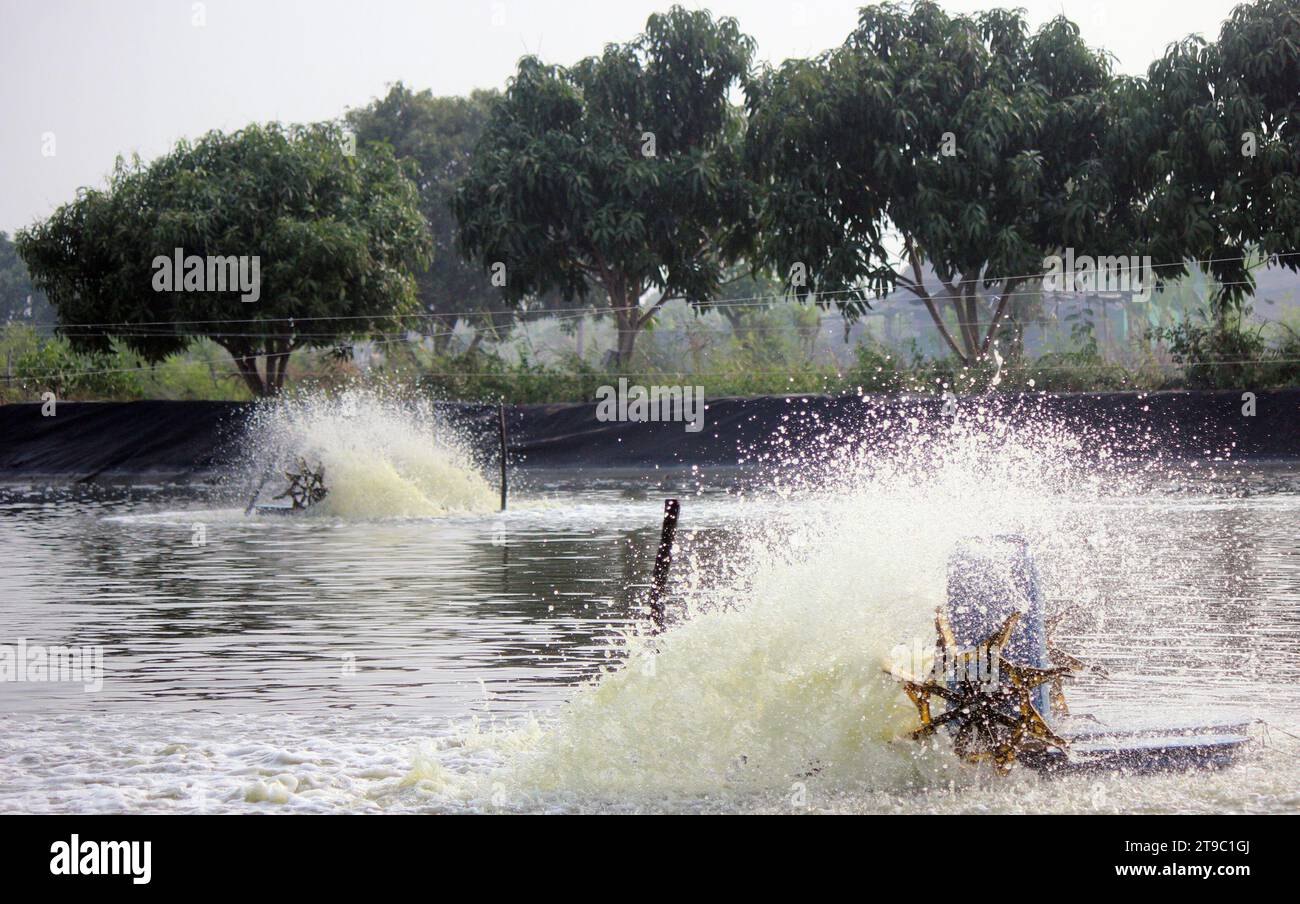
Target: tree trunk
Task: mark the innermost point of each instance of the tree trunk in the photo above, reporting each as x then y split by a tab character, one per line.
916	285
277	352
277	364
626	346
1009	289
248	370
970	317
976	338
246	364
626	316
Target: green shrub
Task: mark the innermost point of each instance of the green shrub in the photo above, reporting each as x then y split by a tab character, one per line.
1219	353
52	366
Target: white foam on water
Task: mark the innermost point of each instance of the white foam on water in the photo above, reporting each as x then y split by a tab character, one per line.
769	695
777	677
383	457
352	763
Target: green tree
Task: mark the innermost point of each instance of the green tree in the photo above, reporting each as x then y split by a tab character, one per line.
19	299
336	236
438	134
621	173
976	146
1222	164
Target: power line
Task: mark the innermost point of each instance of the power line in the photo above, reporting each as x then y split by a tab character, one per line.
138	330
335	338
596	309
839	372
397	339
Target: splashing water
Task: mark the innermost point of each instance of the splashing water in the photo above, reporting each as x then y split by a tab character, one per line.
767	691
777	677
383	457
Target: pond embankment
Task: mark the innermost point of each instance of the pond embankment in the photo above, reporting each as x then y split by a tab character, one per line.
169	441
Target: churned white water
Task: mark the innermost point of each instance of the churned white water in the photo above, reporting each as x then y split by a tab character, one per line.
475	661
382	457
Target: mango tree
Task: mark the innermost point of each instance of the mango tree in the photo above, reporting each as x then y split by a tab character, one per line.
1222	164
333	236
620	174
947	155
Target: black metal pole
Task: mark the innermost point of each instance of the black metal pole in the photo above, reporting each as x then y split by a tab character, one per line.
663	561
501	425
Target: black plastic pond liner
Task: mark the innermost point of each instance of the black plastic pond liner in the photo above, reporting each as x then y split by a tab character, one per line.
162	440
105	440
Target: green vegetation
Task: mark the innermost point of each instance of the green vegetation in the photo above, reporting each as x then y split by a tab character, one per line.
620	174
939	157
35	364
970	141
1222	351
767	355
335	234
19	299
436	136
1218	124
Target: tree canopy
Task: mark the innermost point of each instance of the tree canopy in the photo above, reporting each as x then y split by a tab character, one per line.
945	155
336	235
977	146
438	134
621	173
19	299
1222	147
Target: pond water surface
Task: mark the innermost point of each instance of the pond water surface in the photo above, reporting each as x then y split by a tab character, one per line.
453	663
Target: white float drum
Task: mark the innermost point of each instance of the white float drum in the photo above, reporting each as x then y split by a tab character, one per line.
989	578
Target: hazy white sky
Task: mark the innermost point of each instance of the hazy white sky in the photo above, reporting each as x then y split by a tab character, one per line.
116	76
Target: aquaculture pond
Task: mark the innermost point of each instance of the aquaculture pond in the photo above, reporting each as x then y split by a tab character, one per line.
407	647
